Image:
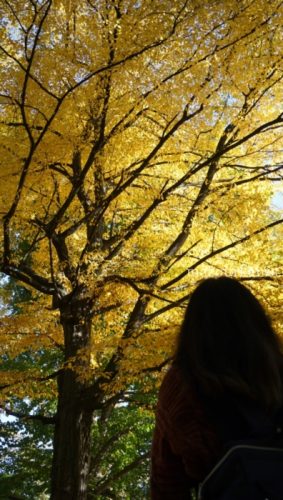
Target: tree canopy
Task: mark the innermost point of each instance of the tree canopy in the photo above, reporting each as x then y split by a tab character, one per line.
141	146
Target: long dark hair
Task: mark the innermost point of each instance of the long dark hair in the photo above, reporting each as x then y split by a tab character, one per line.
227	342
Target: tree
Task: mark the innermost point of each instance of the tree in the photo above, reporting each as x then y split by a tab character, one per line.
121	440
140	144
26	437
26	449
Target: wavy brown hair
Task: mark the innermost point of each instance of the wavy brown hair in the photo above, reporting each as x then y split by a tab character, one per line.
227	342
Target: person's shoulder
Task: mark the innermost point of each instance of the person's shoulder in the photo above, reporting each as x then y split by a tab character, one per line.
172	378
175	387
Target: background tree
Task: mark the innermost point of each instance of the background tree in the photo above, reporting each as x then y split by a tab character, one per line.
140	143
26	452
26	435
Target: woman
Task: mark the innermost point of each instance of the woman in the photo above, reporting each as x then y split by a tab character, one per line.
228	358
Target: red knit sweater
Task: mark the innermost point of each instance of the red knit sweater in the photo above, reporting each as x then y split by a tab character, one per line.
185	446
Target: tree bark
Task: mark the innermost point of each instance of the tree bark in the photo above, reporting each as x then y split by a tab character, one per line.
72	435
72	446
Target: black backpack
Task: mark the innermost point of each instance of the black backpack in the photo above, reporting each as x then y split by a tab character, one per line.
251	466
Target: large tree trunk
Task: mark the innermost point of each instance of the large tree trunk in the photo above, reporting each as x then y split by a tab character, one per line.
72	436
72	445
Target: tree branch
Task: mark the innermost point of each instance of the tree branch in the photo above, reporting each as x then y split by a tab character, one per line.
23	416
101	487
218	251
27	276
37	379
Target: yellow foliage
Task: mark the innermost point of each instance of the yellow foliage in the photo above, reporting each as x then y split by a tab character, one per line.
140	147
